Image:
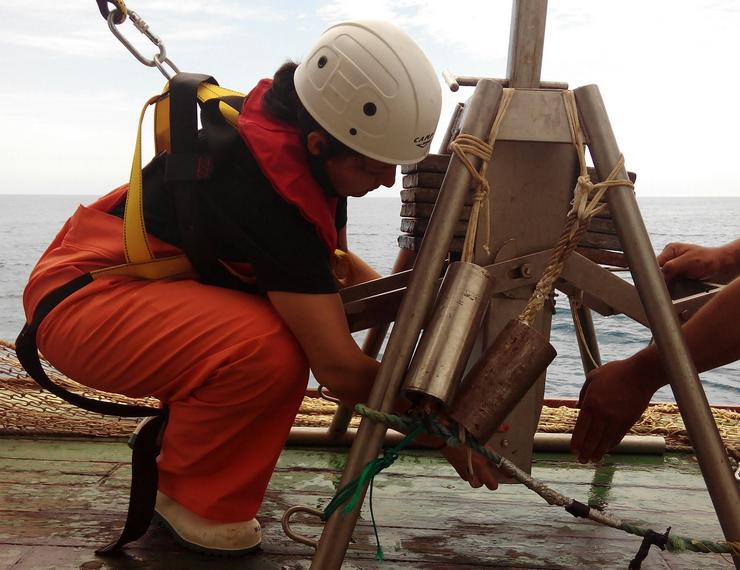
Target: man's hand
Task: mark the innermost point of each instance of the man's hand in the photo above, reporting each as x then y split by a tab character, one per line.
483	470
612	399
693	261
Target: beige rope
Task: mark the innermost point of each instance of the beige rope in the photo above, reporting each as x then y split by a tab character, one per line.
464	145
586	204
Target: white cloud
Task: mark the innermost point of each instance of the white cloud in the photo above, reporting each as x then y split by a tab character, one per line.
79	44
666	69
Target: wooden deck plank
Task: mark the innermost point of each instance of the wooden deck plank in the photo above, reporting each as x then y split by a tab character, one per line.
60	499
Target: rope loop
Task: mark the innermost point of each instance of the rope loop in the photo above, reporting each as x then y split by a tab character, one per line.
587	202
119	5
466	144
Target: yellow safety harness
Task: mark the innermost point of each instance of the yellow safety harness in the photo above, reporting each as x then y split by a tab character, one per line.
140	262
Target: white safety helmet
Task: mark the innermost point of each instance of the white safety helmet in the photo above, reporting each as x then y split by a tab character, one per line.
373	89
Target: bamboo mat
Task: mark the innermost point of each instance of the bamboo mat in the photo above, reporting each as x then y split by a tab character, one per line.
26	409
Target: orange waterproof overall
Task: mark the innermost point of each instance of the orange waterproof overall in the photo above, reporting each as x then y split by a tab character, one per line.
223	361
229	369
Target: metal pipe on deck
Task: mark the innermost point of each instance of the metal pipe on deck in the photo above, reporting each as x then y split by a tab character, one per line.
543	442
419	296
685	383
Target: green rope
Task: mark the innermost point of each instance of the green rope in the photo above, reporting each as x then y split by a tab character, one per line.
448	433
351	493
379	555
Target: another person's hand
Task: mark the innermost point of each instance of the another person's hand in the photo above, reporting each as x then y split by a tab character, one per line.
691	261
484	472
612	399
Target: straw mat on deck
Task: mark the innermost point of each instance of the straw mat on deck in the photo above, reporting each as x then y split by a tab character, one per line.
26	409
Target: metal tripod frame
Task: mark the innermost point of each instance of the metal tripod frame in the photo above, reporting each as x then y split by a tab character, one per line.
407	297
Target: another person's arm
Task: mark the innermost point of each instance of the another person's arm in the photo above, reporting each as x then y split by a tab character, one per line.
615	395
698	262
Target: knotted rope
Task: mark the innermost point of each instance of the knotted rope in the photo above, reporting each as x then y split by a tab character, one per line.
120	5
352	491
576	508
466	144
586	204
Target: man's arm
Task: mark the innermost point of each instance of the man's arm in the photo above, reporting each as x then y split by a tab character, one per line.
615	395
697	262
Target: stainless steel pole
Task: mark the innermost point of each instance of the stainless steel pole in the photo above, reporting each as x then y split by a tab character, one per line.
372	345
527	43
343	415
414	309
687	388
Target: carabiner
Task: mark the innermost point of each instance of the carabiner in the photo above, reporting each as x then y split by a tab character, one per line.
297	537
159	59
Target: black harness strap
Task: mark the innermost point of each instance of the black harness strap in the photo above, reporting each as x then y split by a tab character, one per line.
185	173
651	538
28	356
146	445
144	480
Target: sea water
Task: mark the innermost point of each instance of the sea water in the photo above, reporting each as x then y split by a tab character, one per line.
29	223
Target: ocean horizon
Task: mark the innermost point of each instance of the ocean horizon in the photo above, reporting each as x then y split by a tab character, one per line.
28	223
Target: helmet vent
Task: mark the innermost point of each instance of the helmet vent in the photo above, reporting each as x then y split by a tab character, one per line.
369	109
322	61
353	131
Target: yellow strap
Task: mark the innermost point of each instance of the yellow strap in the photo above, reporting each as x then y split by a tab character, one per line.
162	122
342	268
135	243
155	269
229	113
207	91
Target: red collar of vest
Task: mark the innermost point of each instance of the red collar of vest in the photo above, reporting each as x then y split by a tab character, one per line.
279	151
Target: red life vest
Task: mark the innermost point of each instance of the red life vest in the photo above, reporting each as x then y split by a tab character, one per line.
281	155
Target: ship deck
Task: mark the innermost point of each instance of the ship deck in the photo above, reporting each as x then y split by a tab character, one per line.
61	498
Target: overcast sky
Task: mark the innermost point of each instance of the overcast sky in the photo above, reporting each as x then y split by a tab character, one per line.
668	72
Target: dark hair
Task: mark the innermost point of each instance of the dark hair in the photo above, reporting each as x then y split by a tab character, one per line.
282	102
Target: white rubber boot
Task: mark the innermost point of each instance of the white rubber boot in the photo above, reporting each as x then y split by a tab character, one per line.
204	535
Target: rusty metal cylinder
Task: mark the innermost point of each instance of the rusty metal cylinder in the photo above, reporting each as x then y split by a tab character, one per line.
501	378
445	346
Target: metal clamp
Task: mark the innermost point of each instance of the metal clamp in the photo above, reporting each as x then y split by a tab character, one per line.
160	59
297	537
